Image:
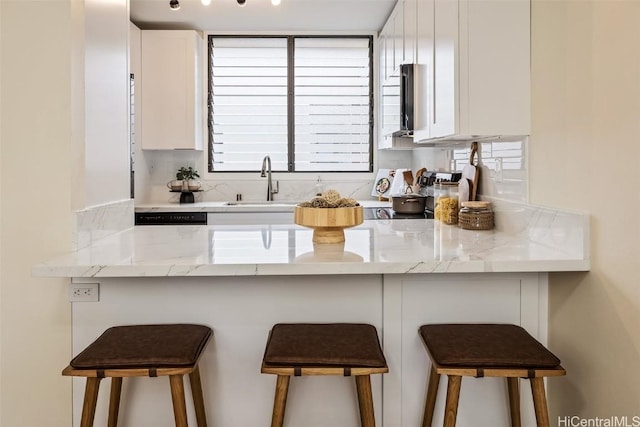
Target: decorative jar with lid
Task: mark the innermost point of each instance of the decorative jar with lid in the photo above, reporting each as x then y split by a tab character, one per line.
476	216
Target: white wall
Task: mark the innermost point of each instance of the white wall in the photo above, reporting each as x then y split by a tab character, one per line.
64	142
35	211
107	100
584	142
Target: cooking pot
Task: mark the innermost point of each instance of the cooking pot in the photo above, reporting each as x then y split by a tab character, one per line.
409	204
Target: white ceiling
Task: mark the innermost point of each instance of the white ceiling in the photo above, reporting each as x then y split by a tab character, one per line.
261	15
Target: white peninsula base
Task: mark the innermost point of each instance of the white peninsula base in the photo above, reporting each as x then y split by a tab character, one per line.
241	310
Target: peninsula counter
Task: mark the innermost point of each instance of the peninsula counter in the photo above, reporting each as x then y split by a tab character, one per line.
396	275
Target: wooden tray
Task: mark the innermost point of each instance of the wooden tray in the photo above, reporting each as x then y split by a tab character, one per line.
328	223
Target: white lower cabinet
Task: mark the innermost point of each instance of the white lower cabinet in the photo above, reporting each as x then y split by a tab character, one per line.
473	59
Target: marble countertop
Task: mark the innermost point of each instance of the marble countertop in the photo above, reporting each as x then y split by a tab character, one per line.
244	206
528	241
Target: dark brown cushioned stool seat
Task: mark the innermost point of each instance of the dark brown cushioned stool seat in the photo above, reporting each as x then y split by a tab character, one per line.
347	349
337	344
143	350
479	350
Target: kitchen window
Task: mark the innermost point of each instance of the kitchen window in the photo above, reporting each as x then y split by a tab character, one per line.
304	101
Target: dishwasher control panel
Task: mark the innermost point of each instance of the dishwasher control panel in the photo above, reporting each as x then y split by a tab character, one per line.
171	218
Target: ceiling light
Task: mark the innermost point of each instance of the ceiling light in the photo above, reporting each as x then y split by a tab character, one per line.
174	4
242	2
206	2
275	2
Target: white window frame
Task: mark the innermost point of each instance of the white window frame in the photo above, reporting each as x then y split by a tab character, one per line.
290	176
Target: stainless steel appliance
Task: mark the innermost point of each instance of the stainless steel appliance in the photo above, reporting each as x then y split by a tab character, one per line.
398	102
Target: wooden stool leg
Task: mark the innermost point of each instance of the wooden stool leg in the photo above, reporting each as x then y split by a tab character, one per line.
432	393
453	395
90	401
540	402
114	401
198	399
280	400
177	395
514	401
365	401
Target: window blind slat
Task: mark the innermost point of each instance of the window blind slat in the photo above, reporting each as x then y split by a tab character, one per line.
332	100
257	101
258	110
331	139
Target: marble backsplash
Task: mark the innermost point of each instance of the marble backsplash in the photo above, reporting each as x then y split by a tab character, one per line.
97	222
543	225
502	161
159	167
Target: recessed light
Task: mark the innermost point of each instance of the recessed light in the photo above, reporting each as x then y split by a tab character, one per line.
275	2
242	2
174	4
206	2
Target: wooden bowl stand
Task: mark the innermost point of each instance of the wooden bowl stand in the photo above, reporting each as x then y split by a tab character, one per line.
328	224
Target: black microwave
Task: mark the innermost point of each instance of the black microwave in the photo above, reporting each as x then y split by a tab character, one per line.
398	102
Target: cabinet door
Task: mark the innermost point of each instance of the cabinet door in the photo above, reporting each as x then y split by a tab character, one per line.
423	82
383	142
398	35
170	99
382	57
389	49
410	30
445	69
496	48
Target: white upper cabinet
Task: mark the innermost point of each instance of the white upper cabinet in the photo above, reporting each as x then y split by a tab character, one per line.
397	45
446	60
171	90
424	70
397	38
473	69
410	23
398	34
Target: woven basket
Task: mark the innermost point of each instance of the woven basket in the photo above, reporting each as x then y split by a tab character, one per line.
475	220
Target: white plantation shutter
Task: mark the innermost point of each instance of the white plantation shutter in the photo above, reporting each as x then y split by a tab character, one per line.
330	104
248	103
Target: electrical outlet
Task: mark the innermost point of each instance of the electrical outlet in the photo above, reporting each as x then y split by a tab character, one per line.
84	292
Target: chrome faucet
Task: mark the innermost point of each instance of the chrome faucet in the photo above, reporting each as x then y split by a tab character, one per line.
266	172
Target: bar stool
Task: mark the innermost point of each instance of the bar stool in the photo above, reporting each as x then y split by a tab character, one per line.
486	350
344	349
171	350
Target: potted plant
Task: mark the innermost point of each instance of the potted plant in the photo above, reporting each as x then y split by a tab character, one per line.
188	177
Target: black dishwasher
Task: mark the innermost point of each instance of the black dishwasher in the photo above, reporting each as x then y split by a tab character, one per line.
170	218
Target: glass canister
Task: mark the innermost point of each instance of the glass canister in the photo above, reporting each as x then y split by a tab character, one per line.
446	202
476	216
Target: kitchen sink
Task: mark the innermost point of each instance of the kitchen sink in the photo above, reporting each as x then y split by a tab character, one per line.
262	203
